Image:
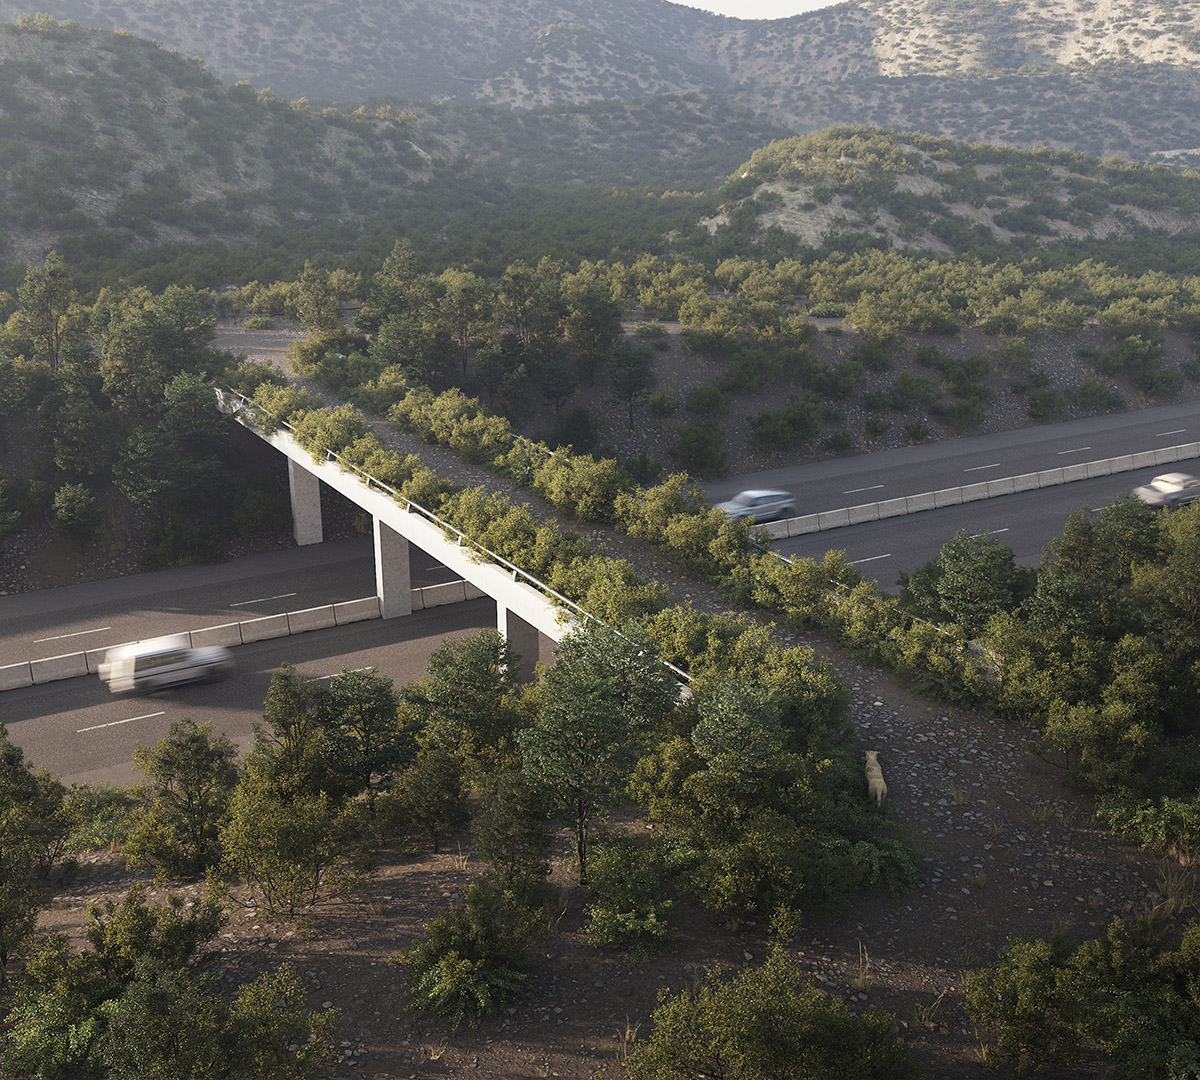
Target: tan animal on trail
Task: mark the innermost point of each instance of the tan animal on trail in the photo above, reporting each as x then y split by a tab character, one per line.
876	788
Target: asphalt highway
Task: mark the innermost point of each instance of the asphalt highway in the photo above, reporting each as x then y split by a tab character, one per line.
865	478
77	729
1025	522
95	615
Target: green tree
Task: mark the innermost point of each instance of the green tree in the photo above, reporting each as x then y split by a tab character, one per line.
766	1023
75	512
631	374
153	473
83	439
192	774
511	833
293	751
287	849
372	743
434	795
318	305
465	308
191	415
592	322
469	701
972	579
46	296
606	691
30	818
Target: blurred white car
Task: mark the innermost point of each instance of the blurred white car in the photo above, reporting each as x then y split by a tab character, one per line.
145	666
1170	489
760	505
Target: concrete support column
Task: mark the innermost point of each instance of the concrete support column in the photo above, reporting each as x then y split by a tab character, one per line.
523	638
306	505
393	582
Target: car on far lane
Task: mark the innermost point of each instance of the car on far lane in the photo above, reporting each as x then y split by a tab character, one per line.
762	505
1169	489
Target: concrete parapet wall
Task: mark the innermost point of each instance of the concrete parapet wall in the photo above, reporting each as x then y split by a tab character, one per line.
865	512
14	676
52	668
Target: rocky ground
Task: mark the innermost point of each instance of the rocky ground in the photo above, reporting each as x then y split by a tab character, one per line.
1007	852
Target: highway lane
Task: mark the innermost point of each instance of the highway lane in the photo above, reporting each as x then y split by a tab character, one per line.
1026	522
98	614
829	485
77	729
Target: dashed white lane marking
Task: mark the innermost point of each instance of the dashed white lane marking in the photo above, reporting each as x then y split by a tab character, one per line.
1162	434
873	558
1077	450
78	633
339	674
114	723
855	491
988	532
263	599
976	468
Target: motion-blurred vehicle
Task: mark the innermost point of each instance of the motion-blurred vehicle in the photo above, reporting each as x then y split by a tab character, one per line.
1170	489
145	666
761	505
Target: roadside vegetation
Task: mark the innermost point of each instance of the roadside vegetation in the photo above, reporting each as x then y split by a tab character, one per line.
752	780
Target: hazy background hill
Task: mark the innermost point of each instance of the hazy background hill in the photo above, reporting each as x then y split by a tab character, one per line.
1118	77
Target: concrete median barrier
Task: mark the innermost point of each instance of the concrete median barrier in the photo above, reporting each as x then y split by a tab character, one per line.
316	618
14	676
349	611
452	592
270	626
53	668
227	635
863	512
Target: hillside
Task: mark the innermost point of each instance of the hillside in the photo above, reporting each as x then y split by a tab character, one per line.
1119	78
111	143
924	194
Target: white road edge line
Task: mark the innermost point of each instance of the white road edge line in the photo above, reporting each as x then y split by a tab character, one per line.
115	723
78	633
873	558
263	599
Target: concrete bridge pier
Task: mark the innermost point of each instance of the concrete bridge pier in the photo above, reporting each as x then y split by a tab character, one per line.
306	505
523	638
393	580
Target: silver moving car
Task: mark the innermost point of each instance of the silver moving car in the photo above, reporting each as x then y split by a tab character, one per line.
146	666
762	505
1169	489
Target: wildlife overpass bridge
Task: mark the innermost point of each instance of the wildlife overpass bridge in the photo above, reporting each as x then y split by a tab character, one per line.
530	615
